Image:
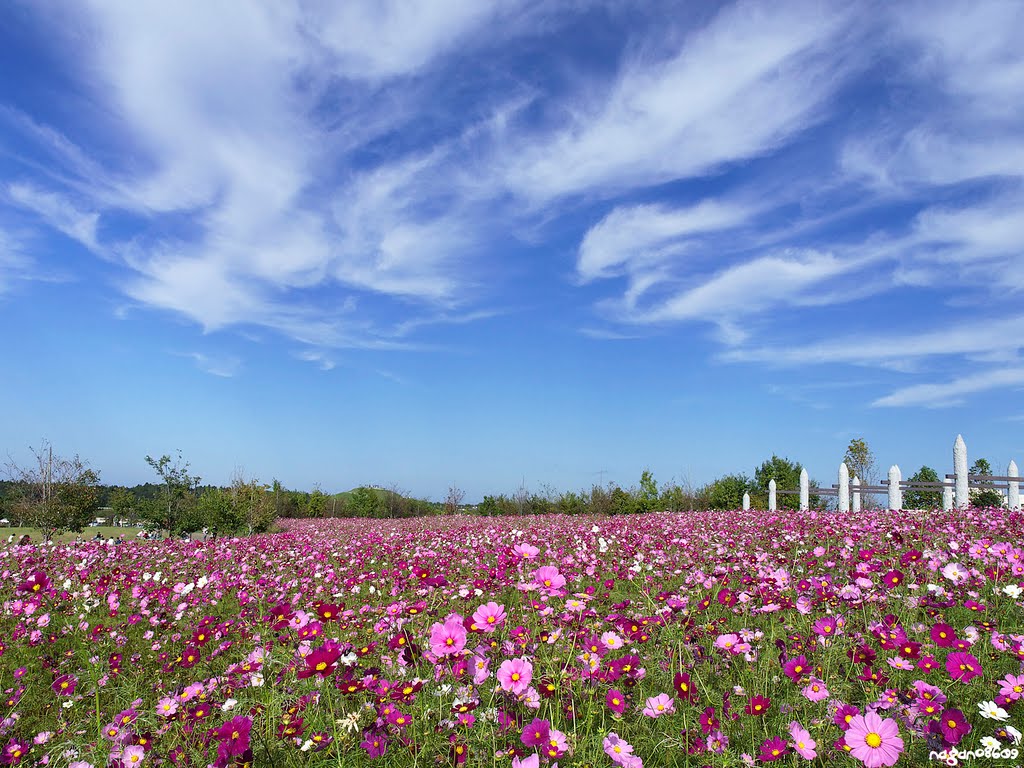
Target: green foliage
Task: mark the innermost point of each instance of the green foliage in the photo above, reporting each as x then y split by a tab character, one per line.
984	497
860	461
787	478
648	496
363	502
727	492
923	498
177	494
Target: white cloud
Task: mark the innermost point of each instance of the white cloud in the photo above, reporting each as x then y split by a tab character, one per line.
743	85
1002	336
749	287
644	236
952	392
58	212
225	367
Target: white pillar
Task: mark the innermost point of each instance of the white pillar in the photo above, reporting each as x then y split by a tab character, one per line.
805	491
895	493
960	470
947	497
746	501
772	503
855	487
1013	492
844	488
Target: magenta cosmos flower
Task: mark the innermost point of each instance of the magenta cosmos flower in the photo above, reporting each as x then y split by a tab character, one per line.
954	726
449	638
962	666
515	675
616	701
536	733
65	685
874	741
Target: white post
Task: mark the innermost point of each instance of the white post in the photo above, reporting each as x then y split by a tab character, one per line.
855	487
772	504
960	470
746	502
844	488
947	497
805	491
1013	492
895	493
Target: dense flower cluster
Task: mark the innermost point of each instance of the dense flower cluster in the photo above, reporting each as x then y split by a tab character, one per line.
698	639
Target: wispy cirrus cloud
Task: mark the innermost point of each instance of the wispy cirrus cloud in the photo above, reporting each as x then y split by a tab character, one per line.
954	391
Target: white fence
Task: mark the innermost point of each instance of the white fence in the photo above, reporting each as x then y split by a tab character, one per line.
955	488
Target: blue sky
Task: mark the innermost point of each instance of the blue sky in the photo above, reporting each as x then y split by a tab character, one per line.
489	242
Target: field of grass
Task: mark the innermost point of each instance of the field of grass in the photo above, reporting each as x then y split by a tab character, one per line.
106	531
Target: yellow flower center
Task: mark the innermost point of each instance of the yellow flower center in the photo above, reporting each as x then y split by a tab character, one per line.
873	740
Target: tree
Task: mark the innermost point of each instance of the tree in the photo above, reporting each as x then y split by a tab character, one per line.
923	498
648	497
860	461
316	504
254	506
453	500
727	492
177	492
986	496
55	494
786	475
363	503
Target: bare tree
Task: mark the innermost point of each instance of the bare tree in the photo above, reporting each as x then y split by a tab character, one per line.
56	494
454	500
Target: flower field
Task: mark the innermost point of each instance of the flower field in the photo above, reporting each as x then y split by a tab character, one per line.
688	639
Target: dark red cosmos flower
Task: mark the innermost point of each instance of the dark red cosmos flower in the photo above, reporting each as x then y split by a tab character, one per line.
36	582
536	733
954	726
773	749
893	579
758	705
684	687
65	685
320	661
616	701
329	611
234	737
14	752
943	635
189	657
708	721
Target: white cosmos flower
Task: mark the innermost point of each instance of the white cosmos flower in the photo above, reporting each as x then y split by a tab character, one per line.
1014	734
992	711
990	743
1012	590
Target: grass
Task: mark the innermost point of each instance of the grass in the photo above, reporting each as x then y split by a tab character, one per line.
106	531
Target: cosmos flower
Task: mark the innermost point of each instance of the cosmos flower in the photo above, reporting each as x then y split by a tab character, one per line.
874	741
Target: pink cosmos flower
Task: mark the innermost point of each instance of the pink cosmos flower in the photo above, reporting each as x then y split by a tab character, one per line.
874	741
133	756
557	744
659	705
815	690
1012	687
549	579
489	616
533	761
449	638
617	749
167	706
526	551
802	741
515	675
